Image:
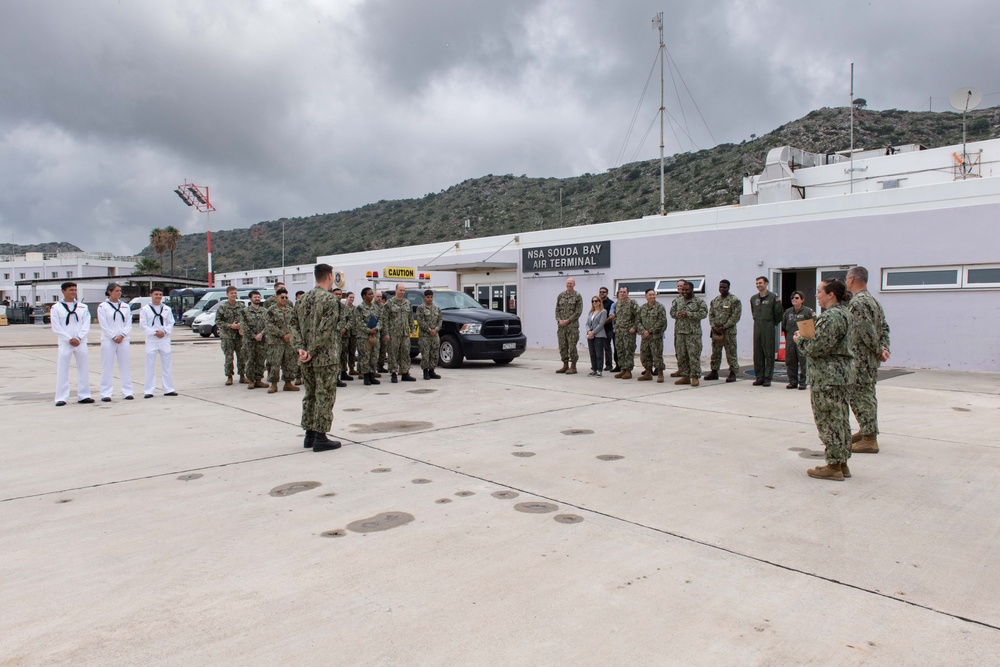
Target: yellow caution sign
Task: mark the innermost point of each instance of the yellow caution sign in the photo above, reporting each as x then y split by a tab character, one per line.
400	272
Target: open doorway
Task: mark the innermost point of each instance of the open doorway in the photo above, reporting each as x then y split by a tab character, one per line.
805	280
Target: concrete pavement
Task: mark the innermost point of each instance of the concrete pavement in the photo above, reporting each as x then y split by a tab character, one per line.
543	519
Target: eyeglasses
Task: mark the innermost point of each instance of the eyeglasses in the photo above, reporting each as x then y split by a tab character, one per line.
595	301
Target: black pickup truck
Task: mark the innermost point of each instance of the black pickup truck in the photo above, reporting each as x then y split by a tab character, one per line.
469	331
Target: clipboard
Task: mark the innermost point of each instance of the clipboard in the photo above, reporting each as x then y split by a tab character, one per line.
807	329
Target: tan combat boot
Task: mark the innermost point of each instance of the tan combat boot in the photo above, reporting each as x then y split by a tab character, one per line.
646	375
659	375
288	386
618	376
845	470
565	367
626	375
683	381
829	471
676	374
261	384
867	445
273	388
251	385
572	369
856	437
298	381
695	382
229	380
243	379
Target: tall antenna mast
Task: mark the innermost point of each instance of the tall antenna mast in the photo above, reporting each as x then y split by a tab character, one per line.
852	128
965	99
658	23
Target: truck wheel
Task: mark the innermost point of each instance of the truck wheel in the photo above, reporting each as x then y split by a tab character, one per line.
215	331
451	352
502	362
206	335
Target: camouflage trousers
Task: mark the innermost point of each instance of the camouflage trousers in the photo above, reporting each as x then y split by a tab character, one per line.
729	344
832	417
367	359
569	336
321	393
687	348
383	352
233	346
651	353
399	354
763	350
864	404
255	353
347	361
282	362
625	350
430	346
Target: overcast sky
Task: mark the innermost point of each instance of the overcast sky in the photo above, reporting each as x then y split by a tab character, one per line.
290	108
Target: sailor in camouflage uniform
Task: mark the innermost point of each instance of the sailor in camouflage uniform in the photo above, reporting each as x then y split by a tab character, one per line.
831	374
399	325
367	337
725	311
870	345
281	358
314	337
688	310
351	362
429	322
345	329
228	314
382	357
626	324
652	324
254	346
569	308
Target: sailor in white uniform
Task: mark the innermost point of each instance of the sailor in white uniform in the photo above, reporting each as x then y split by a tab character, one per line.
71	322
157	322
115	319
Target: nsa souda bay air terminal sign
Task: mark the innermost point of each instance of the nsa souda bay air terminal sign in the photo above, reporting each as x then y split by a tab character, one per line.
595	255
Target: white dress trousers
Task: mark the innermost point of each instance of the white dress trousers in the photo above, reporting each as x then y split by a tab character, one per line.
151	321
115	320
71	321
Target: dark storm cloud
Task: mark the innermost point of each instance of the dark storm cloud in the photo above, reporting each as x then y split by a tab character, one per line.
295	108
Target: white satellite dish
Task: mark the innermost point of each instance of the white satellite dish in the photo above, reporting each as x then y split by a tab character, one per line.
965	99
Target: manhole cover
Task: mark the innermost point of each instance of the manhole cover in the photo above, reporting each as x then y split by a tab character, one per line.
523	455
568	518
577	431
610	457
383	521
536	508
189	477
292	488
505	495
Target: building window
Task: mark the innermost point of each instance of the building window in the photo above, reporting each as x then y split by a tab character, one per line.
55	274
271	280
661	285
246	281
22	276
38	275
69	274
226	283
299	278
6	276
971	276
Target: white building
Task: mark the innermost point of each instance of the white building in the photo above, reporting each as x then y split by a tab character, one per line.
298	277
57	268
924	223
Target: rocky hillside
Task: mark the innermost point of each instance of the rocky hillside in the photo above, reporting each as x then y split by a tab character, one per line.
507	203
52	247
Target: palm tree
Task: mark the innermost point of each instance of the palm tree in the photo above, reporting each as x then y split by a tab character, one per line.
146	266
171	235
157	243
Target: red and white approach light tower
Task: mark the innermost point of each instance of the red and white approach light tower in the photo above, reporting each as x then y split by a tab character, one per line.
197	196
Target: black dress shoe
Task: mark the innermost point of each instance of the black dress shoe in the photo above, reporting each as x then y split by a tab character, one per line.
59	404
147	396
731	378
802	387
170	393
307	441
129	397
758	382
791	385
85	401
341	383
766	383
105	400
323	444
